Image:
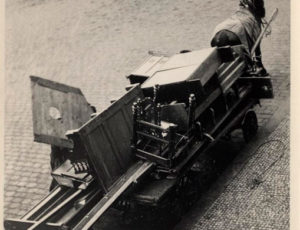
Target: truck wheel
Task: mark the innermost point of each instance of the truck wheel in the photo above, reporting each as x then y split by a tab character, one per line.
249	125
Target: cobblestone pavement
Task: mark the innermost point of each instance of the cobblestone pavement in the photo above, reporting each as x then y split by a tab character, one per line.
252	193
93	45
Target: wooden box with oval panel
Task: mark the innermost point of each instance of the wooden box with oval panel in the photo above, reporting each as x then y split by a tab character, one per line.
57	108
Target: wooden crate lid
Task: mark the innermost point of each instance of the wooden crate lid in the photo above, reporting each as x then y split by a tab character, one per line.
200	64
56	108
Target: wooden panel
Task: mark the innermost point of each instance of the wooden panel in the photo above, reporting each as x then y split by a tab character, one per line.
208	67
107	138
56	108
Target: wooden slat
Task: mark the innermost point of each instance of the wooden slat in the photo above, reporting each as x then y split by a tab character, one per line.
148	124
55	85
44	219
98	153
36	209
232	77
153	158
222	67
229	68
152	137
116	148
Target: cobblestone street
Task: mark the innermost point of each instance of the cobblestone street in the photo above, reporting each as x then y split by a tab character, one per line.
257	197
253	191
93	45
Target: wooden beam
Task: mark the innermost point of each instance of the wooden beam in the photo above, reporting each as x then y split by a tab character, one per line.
54	140
42	203
152	137
153	157
130	177
44	219
55	85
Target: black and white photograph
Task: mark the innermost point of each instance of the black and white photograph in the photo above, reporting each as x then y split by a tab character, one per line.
147	114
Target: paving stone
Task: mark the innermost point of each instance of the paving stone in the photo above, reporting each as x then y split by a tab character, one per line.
248	205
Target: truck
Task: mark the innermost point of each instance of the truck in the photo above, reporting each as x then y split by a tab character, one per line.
141	155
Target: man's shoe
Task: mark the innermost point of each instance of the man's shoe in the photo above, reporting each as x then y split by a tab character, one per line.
261	71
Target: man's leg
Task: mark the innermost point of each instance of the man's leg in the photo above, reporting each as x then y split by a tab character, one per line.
260	69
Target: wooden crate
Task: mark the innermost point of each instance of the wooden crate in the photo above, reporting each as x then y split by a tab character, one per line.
199	64
56	108
107	138
147	69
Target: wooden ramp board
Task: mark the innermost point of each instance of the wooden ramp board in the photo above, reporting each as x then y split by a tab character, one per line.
56	108
131	176
15	224
107	138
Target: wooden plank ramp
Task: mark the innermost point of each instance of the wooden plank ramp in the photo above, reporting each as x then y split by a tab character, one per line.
131	176
44	219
